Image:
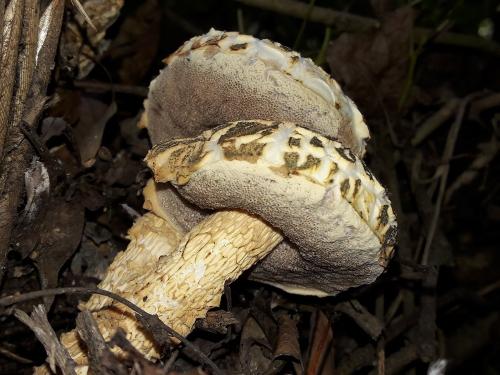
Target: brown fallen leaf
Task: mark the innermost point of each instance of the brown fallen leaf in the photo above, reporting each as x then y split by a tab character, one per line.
60	235
321	351
88	132
373	67
255	349
217	321
82	44
28	226
287	344
136	44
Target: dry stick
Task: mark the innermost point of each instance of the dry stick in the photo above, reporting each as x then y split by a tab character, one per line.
381	348
2	13
483	104
488	152
10	300
12	173
118	88
363	318
399	360
97	348
8	68
444	170
353	23
435	121
16	357
57	353
26	59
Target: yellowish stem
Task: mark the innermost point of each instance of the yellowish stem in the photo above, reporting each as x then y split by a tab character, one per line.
185	284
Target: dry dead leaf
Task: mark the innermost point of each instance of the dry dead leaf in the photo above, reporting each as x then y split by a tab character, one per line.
321	351
287	344
28	226
255	349
88	132
136	44
217	321
60	235
81	44
373	67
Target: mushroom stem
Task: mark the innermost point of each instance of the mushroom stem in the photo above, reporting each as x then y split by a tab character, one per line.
185	284
217	250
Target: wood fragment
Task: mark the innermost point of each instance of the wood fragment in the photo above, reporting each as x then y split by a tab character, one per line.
15	162
57	354
98	350
435	121
363	318
13	26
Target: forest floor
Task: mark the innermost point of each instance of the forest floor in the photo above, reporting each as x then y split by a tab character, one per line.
427	80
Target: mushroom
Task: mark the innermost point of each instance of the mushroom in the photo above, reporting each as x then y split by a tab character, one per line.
225	76
249	128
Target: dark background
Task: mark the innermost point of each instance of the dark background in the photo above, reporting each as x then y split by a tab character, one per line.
431	64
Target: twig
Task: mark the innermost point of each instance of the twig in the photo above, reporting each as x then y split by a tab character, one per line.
170	362
57	354
443	172
461	40
400	359
435	121
82	11
363	318
2	14
26	59
300	34
9	63
480	105
338	20
117	88
381	348
10	300
96	345
16	357
489	288
488	152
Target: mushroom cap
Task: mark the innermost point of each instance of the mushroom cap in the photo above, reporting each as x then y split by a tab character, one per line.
221	76
313	189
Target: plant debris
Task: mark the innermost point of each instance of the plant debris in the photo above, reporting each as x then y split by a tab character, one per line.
74	76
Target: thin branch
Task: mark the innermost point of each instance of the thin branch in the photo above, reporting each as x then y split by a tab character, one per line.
12	173
16	357
114	87
435	121
26	59
444	170
9	52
